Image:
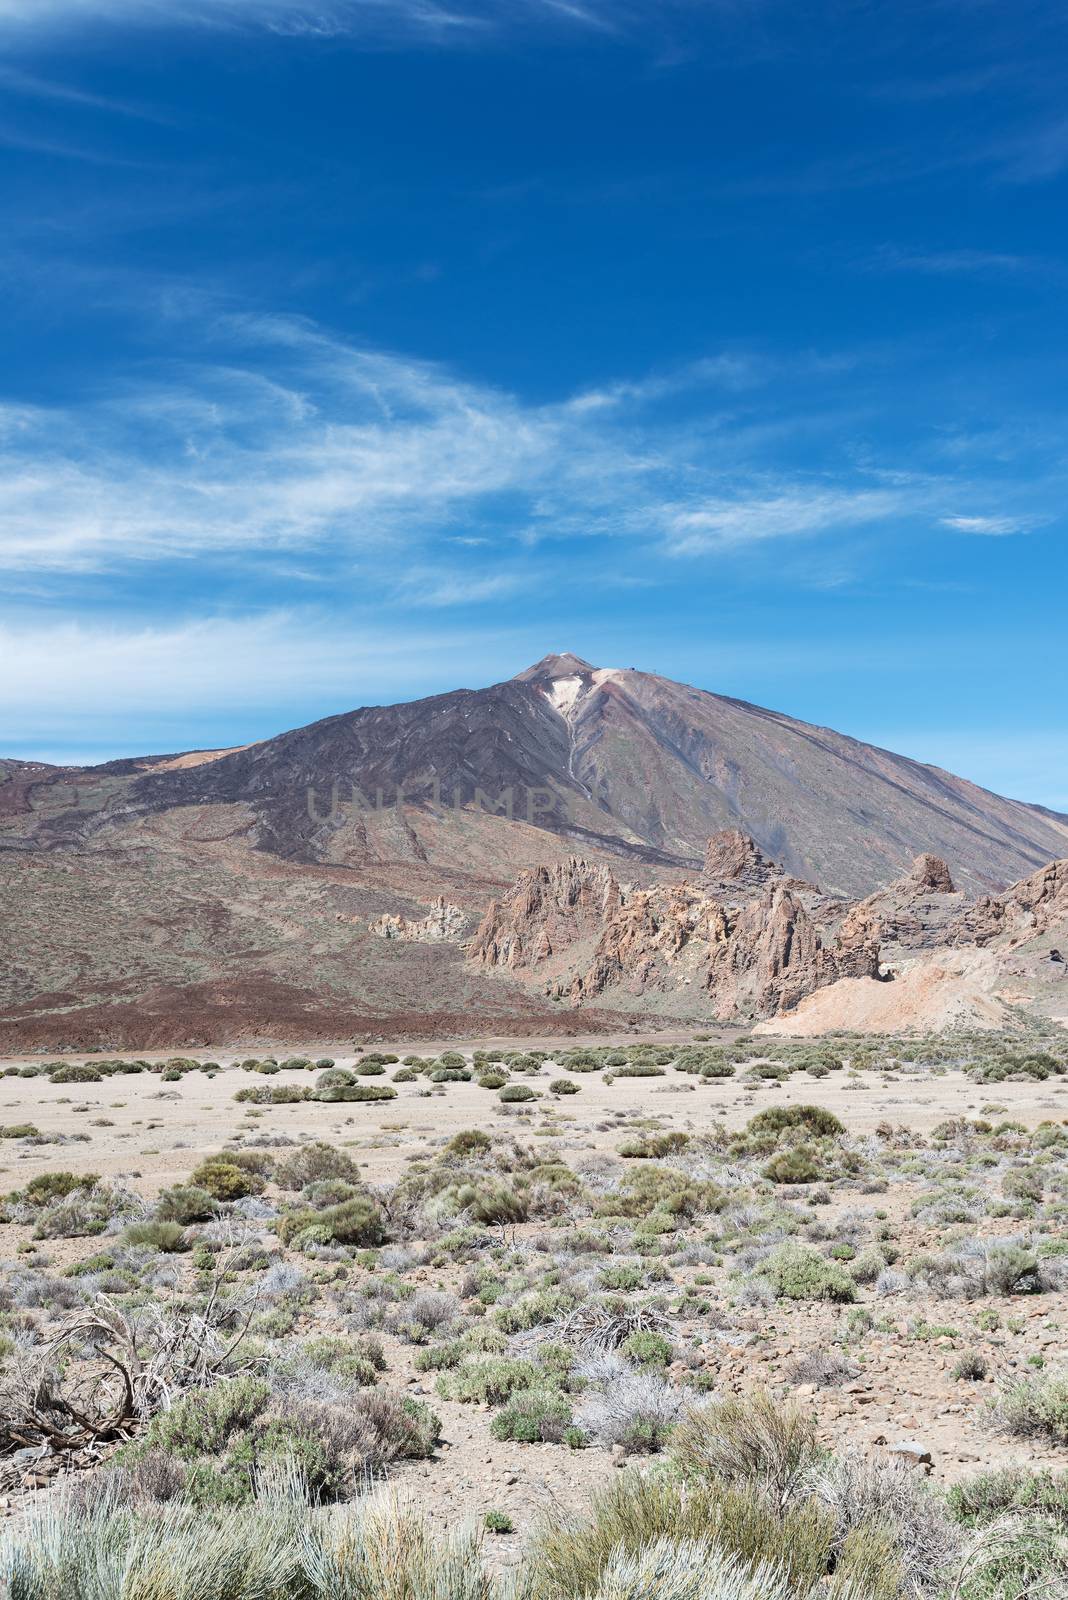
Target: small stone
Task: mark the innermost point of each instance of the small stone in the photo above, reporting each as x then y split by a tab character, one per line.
911	1453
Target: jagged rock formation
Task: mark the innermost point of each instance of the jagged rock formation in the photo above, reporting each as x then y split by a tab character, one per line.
929	875
734	863
443	924
549	910
583	934
1034	907
916	911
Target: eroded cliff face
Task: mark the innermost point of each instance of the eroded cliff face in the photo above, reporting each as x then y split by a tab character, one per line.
748	950
916	911
548	911
1031	909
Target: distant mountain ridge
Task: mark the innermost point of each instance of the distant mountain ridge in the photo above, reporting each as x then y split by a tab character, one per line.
609	759
266	892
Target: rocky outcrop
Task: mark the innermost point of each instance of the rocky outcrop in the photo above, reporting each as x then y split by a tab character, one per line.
735	862
915	912
443	924
1033	908
583	935
549	910
928	875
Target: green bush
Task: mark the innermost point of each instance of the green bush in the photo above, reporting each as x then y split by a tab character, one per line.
489	1382
1034	1407
224	1180
77	1072
186	1204
533	1416
650	1146
471	1142
796	1272
48	1187
798	1165
517	1091
168	1237
814	1119
356	1221
647	1349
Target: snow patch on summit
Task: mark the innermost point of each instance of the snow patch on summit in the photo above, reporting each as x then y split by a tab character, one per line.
564	694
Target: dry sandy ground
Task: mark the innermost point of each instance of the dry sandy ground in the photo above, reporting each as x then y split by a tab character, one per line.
154	1133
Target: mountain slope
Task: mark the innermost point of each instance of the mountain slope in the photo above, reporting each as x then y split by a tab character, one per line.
611	760
220	892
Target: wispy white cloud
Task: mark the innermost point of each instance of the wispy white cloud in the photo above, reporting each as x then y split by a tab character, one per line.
440	19
279	447
292	440
953	263
790	511
988	527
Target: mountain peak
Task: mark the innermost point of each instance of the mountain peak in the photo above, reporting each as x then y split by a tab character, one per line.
563	665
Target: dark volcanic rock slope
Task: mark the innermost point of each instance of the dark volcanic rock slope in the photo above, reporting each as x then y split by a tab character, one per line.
614	760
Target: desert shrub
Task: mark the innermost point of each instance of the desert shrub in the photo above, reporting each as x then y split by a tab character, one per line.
641	1516
76	1072
564	1086
168	1237
273	1094
224	1179
1022	1183
653	1146
19	1130
895	1512
866	1265
796	1272
972	1367
638	1069
624	1406
358	1092
48	1187
989	1495
229	1433
824	1368
533	1416
650	1188
534	1310
776	1119
277	1547
513	1092
427	1313
799	1165
186	1204
1034	1407
489	1382
647	1349
492	1080
471	1142
979	1268
749	1441
356	1221
312	1163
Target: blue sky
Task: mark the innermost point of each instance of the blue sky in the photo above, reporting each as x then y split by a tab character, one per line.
359	349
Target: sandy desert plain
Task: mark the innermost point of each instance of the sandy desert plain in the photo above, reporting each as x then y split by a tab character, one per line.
502	1279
